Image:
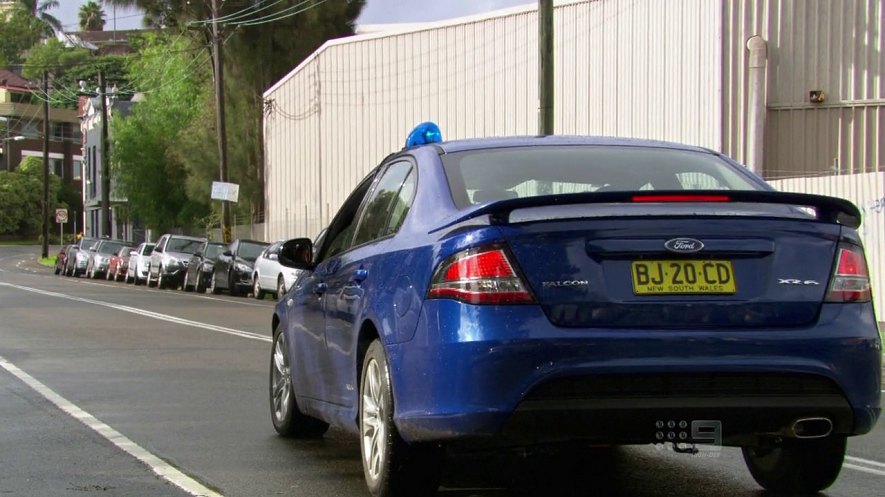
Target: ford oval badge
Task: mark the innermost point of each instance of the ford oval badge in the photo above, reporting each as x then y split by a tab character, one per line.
684	245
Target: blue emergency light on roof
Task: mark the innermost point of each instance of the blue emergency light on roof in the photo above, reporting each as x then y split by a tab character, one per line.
423	134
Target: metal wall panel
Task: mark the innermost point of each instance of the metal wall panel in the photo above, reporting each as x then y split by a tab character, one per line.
642	68
867	191
830	45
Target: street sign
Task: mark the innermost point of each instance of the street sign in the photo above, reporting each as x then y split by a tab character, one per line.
61	216
225	191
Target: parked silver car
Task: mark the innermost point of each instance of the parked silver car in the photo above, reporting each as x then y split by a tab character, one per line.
100	255
170	258
139	262
78	258
270	276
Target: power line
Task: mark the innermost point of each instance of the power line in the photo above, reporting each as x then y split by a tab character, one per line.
239	14
279	15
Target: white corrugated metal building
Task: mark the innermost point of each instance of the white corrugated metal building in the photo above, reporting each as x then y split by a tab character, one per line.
664	69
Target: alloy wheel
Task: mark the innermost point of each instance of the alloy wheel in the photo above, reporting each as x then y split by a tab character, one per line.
281	287
281	381
373	428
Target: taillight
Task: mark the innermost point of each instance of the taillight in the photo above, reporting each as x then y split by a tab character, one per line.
851	280
483	275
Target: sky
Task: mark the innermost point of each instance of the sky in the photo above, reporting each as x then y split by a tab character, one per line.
375	11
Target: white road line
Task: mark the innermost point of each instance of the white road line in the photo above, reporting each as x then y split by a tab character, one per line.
157	465
865	470
151	314
183	294
865	461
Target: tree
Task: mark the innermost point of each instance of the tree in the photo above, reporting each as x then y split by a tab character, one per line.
68	66
149	174
21	202
91	17
52	56
264	42
19	31
39	10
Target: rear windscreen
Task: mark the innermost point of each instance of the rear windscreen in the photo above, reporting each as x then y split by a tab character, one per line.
480	176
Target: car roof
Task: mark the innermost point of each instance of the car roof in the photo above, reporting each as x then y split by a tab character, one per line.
186	237
557	140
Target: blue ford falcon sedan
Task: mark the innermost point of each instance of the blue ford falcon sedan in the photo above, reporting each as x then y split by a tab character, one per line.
537	290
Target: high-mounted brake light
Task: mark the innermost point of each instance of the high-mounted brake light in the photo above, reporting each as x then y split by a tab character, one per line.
851	280
681	198
480	276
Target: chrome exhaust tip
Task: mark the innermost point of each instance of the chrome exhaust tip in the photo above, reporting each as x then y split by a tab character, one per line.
811	427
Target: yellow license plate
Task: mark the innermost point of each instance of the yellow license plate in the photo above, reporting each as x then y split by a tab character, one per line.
689	277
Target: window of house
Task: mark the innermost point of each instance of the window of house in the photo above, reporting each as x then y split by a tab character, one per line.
77	165
57	166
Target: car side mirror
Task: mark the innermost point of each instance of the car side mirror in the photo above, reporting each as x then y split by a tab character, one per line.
198	253
133	252
297	253
227	253
158	249
273	257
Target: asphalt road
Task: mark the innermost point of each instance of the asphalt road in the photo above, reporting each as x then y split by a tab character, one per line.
116	390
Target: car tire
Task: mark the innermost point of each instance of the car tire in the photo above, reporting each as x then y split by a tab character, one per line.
232	285
392	467
798	466
257	292
198	286
213	286
281	287
287	419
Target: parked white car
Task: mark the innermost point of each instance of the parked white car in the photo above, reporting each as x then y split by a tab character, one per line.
139	262
269	276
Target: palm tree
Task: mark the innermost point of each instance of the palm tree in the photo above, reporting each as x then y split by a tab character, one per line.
91	17
39	10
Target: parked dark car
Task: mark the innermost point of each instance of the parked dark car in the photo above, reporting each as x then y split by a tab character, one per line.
100	256
170	258
61	259
532	290
119	263
233	268
199	267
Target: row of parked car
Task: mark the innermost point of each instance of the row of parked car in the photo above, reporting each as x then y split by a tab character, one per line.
185	262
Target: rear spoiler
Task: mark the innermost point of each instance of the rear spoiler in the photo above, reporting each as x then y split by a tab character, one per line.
829	209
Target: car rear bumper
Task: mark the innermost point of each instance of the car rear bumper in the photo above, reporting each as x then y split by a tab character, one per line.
506	373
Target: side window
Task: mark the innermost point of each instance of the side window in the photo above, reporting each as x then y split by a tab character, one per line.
402	203
339	235
376	216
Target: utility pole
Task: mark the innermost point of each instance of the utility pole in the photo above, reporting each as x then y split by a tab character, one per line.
105	159
218	61
545	69
46	130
